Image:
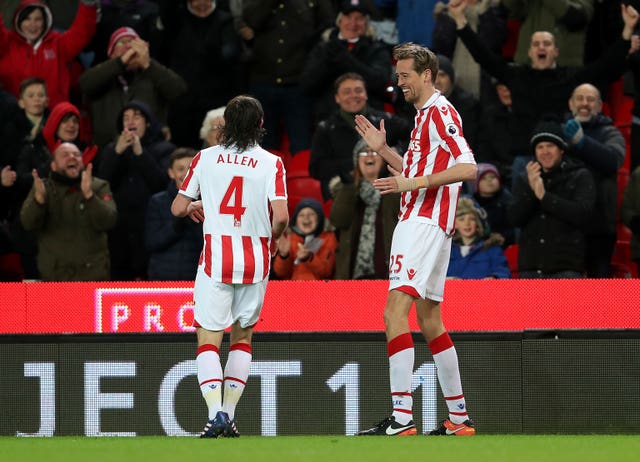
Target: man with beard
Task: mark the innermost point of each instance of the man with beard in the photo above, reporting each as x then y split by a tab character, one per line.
599	145
70	212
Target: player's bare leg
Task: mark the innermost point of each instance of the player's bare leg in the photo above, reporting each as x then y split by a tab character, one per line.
446	360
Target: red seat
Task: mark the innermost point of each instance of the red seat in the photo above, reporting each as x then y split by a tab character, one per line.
299	164
621	264
300	188
511	252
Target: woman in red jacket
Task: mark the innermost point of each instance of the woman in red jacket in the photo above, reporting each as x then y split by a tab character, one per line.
32	49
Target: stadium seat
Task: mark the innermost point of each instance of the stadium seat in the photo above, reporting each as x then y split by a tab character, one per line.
511	252
621	264
301	187
299	165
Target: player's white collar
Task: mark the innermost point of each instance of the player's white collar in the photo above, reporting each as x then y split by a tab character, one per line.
432	100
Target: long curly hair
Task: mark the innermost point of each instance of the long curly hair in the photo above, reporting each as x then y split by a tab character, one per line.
243	118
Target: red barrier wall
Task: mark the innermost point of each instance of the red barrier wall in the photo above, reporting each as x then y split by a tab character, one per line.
293	306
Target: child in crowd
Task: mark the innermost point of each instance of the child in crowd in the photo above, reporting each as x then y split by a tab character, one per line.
306	251
174	244
35	103
473	257
490	194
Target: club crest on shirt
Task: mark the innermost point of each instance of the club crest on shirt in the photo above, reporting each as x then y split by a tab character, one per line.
452	129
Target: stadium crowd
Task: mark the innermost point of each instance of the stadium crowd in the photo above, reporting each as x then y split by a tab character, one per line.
103	104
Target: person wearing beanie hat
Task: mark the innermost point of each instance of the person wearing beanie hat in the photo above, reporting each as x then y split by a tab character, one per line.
34	49
306	251
475	254
489	193
465	103
552	203
364	219
121	37
445	65
550	131
128	73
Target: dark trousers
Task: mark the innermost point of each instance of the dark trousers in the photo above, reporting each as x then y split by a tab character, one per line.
287	106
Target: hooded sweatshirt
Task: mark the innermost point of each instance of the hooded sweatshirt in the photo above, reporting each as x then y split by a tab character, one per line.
49	56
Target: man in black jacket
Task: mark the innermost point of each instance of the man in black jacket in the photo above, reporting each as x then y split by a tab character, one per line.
542	86
347	48
335	137
596	142
552	203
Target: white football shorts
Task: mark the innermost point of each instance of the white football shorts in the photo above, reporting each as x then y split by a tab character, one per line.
419	260
219	305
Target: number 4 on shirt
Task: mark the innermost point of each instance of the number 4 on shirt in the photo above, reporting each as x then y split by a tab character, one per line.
232	201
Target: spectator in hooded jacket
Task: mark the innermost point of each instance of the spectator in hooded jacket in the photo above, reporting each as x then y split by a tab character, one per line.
174	243
33	49
136	167
129	74
306	251
62	125
490	194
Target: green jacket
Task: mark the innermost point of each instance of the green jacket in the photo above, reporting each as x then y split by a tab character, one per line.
71	231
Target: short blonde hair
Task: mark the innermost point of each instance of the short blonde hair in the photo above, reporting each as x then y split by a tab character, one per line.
206	123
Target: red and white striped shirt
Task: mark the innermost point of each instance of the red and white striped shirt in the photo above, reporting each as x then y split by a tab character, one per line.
437	143
236	188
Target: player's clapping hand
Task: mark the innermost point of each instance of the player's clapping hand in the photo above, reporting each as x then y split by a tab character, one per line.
375	138
195	211
85	182
395	183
